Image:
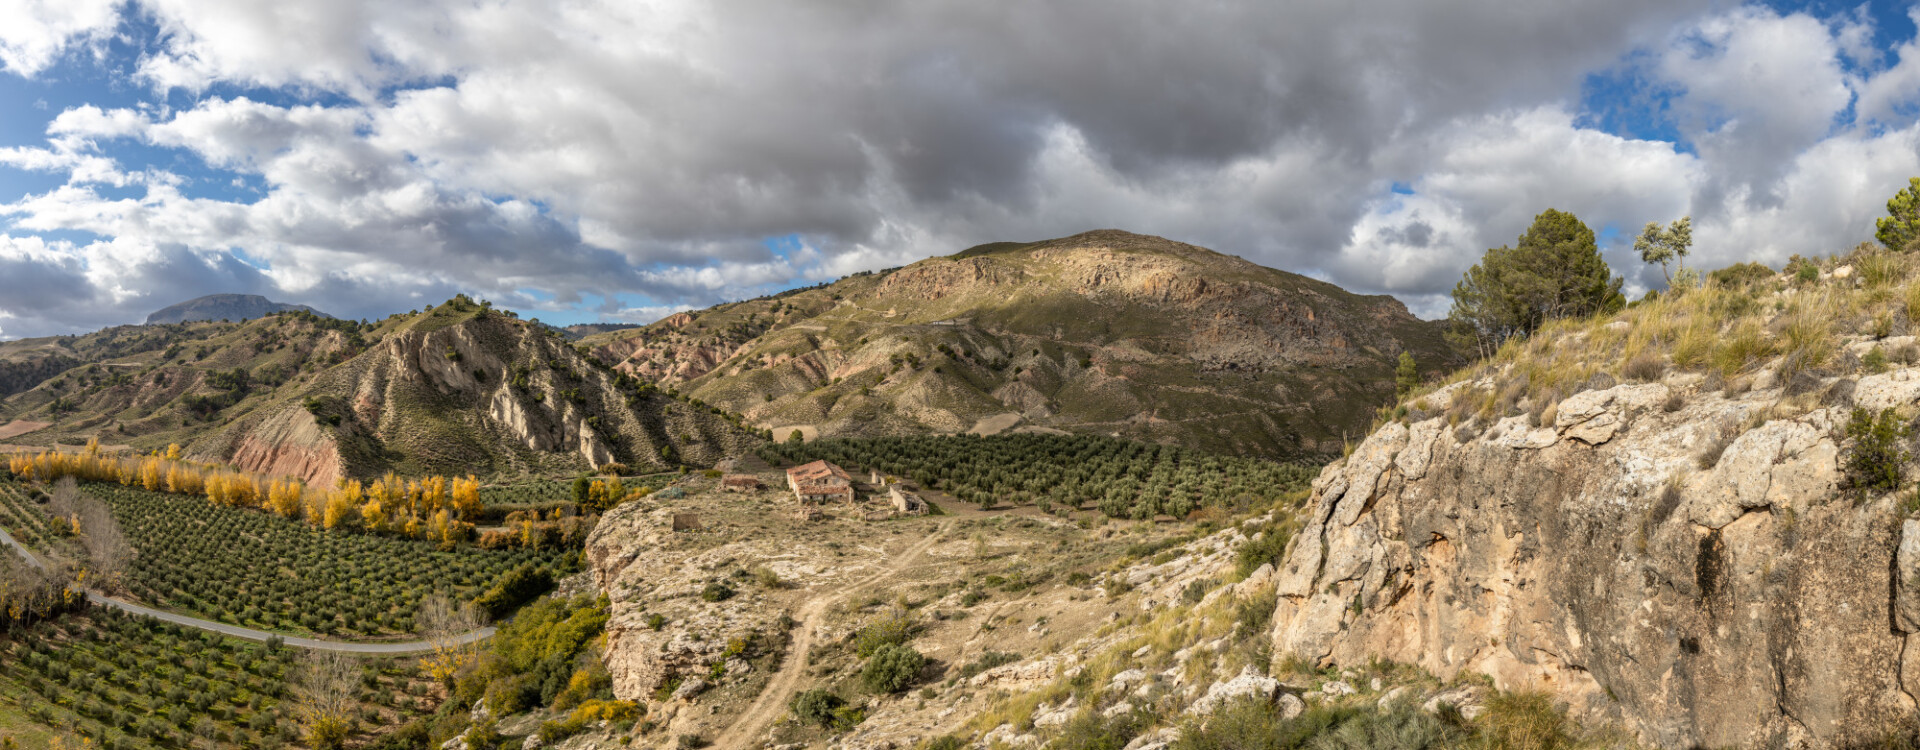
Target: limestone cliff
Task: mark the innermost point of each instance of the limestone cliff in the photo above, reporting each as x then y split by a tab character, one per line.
1605	549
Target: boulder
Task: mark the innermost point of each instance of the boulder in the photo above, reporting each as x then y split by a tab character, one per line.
1249	684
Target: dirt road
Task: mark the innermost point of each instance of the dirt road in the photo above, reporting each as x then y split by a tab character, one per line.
772	701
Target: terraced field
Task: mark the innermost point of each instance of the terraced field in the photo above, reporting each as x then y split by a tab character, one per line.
131	683
259	570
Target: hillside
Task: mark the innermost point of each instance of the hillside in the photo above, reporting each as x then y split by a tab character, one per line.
1105	332
452	390
233	307
1674	517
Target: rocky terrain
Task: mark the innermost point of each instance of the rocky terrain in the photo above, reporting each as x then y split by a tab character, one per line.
1106	332
234	307
1686	556
452	390
1035	630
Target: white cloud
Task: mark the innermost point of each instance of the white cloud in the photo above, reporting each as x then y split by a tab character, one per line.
35	32
589	149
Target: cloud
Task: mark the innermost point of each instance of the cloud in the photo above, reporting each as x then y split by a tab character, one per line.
549	155
37	31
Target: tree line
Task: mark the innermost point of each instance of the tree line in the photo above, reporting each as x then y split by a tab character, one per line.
434	508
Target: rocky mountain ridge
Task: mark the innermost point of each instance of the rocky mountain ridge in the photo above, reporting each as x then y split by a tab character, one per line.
453	390
1106	332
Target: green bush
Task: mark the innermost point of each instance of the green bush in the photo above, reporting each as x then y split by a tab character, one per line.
815	706
892	668
514	589
892	629
1876	460
1268	549
716	592
1091	731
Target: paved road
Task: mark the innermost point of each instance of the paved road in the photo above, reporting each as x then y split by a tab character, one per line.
409	647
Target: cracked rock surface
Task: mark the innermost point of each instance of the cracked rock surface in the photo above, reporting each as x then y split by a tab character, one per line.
1744	601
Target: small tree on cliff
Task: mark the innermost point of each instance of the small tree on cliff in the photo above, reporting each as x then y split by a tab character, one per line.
1555	271
1666	245
1406	376
1901	226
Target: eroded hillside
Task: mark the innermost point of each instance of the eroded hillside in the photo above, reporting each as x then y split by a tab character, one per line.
455	389
1105	332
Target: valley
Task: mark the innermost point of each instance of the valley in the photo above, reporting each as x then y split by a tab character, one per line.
1515	554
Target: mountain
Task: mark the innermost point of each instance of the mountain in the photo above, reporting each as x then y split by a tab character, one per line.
1106	332
454	389
233	307
1683	519
581	330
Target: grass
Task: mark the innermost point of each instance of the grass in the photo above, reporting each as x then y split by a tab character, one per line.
1737	325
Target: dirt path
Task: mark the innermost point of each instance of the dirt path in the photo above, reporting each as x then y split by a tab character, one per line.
772	701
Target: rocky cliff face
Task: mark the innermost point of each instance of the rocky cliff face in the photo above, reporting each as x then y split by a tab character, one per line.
478	395
1682	561
290	444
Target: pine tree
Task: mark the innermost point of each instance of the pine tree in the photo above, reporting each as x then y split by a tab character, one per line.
1901	226
1555	271
1406	376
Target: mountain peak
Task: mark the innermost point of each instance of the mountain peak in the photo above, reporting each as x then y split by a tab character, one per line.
224	307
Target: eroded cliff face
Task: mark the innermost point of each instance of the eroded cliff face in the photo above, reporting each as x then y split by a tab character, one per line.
291	444
1607	556
480	395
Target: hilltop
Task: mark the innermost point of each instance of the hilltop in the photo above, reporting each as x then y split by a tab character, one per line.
1105	332
454	389
234	307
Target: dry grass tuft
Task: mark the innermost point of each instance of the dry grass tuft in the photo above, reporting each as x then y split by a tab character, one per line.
1645	367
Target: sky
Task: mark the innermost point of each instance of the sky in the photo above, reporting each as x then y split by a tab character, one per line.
581	161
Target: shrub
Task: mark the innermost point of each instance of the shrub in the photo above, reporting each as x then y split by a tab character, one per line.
1091	731
1253	725
1268	549
1740	274
987	660
815	706
1875	362
716	592
1876	460
892	668
514	589
1644	367
894	628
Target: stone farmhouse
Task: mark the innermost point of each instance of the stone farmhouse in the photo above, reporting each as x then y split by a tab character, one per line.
820	482
906	503
740	483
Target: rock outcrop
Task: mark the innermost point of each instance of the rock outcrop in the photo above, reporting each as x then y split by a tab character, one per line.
290	444
1682	562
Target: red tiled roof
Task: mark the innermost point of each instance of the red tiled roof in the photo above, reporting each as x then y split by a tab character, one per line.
816	471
